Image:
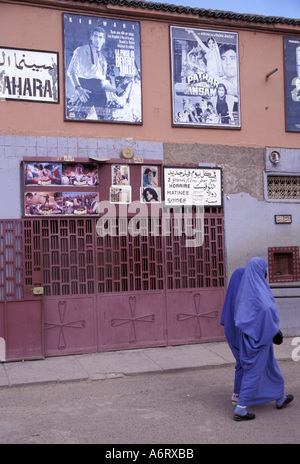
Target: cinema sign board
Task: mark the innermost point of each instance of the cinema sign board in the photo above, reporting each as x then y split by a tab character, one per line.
29	75
193	186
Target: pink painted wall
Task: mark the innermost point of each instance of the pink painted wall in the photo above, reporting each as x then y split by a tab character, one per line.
262	102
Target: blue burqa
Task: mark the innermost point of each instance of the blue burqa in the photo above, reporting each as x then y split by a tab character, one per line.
230	330
257	319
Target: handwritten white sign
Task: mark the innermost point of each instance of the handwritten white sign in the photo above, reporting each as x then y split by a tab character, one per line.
28	75
193	186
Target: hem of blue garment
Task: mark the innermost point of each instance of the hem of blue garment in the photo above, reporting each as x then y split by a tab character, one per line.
259	401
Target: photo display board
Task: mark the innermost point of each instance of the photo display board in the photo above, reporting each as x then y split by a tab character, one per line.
145	178
77	187
205	78
102	69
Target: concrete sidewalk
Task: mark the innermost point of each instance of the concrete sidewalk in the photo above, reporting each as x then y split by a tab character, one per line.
101	366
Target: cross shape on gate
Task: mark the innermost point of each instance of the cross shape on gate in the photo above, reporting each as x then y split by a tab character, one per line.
74	325
119	321
184	316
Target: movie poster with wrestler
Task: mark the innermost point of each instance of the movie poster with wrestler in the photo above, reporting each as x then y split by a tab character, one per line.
80	175
67	174
205	78
102	69
42	173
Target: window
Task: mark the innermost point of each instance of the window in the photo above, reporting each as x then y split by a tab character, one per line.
284	265
283	187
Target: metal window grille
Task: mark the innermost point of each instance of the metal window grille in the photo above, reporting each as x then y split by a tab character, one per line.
11	260
63	249
68	257
129	261
196	267
283	187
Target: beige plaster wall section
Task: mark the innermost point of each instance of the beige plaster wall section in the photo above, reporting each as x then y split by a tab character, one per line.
242	166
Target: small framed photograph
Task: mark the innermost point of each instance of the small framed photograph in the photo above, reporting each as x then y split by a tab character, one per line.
120	194
150	176
120	174
150	194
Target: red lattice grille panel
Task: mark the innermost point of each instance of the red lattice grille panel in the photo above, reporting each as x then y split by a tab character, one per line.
11	260
196	267
130	261
64	250
77	257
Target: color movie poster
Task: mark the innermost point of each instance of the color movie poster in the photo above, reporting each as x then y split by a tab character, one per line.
80	175
42	174
61	203
102	69
292	83
205	78
28	75
67	174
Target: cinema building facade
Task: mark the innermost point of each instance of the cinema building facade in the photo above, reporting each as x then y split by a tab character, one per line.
146	152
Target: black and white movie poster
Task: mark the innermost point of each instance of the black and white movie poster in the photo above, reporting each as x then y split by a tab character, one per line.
28	75
292	83
102	69
205	78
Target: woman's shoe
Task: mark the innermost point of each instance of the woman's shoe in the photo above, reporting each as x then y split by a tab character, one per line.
289	399
246	417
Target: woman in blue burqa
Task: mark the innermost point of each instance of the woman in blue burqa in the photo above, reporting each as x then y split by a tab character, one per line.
257	319
231	332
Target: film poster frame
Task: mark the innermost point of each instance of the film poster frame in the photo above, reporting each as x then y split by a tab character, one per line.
112	80
291	47
205	78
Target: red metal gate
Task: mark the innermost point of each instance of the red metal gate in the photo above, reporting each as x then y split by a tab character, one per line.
105	292
131	287
195	283
21	299
66	252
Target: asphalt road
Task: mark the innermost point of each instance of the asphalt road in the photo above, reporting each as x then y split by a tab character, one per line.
185	407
